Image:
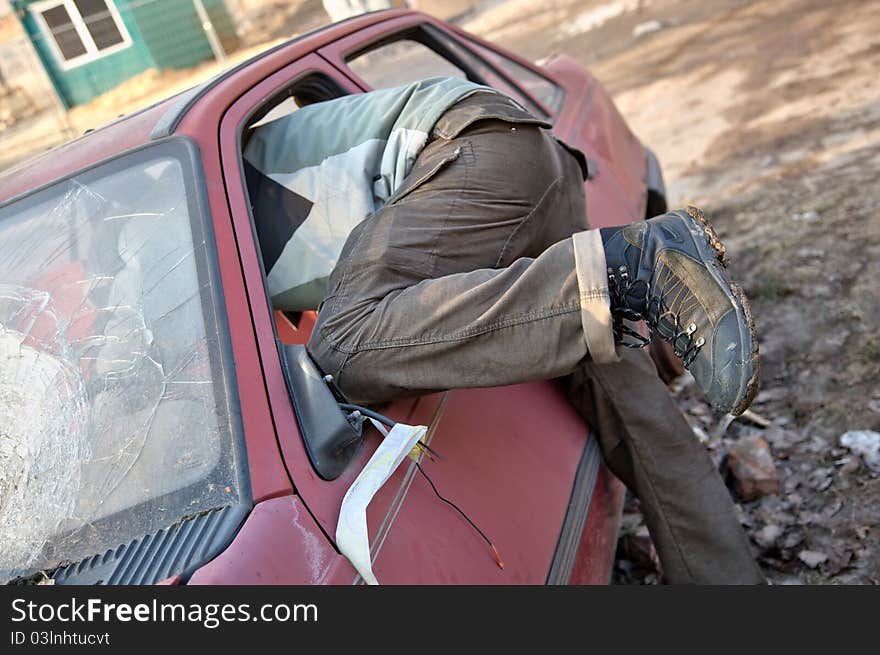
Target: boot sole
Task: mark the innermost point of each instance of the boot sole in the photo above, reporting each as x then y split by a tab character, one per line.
741	303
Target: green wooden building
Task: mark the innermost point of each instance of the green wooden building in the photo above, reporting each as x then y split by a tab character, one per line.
90	46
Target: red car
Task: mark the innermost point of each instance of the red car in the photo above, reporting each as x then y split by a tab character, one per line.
153	435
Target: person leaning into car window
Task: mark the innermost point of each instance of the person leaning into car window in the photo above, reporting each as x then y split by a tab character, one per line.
440	229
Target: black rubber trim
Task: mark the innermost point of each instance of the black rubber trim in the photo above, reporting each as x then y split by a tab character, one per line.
179	549
576	515
656	187
169	121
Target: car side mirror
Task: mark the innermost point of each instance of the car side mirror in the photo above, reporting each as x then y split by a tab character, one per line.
331	437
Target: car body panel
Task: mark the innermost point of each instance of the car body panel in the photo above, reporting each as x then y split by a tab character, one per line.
279	543
617	192
513	455
80	153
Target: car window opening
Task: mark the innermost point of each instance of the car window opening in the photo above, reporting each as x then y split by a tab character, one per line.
430	53
311	89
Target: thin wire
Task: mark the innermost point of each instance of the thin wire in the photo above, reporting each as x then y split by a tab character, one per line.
464	516
369	413
450	503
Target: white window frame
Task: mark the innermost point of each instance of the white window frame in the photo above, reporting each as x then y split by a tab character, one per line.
92	52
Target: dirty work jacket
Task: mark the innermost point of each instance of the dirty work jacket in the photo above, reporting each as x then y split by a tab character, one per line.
316	173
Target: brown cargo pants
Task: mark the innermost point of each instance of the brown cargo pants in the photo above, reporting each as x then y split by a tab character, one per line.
469	280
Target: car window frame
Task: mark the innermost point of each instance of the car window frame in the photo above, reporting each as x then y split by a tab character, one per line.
475	45
323	498
185	151
431	34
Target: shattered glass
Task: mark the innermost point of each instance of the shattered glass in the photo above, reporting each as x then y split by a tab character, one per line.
114	418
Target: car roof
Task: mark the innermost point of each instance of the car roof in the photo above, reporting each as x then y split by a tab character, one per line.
156	121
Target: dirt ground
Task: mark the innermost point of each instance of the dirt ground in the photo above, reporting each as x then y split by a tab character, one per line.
767	115
266	23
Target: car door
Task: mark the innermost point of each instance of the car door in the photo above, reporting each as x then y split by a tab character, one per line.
515	459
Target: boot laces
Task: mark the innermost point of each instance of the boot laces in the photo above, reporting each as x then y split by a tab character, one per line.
672	329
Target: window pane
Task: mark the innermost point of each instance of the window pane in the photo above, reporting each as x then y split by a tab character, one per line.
63	32
488	75
408	60
400	63
485	73
545	90
99	22
113	406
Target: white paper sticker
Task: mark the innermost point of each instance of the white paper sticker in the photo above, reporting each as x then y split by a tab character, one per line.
351	531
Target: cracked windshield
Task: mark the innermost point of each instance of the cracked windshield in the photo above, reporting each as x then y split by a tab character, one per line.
113	419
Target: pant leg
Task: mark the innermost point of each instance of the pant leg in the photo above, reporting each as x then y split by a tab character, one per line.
649	446
472	281
473	278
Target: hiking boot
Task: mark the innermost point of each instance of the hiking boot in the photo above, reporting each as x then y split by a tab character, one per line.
670	272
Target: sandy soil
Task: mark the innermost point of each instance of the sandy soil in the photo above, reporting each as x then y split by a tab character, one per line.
767	115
